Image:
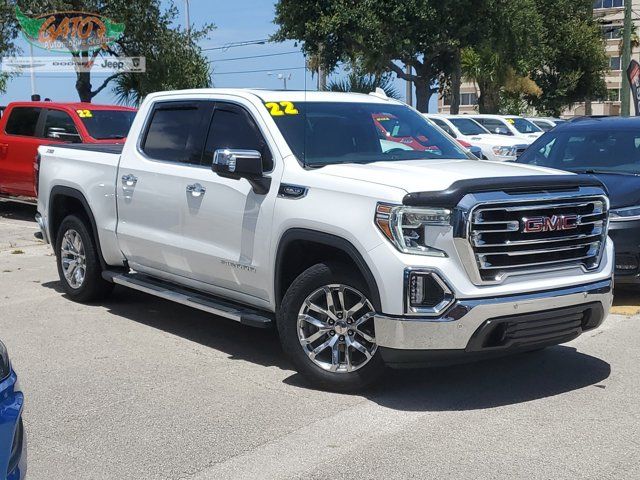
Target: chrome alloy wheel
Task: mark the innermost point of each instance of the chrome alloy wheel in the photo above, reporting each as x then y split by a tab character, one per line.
73	259
336	328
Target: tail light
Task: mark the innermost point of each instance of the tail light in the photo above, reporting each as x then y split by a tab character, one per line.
464	144
36	172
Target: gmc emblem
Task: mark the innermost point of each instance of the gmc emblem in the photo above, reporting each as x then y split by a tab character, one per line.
553	223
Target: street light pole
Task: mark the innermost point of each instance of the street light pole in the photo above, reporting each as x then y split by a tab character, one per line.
187	20
625	91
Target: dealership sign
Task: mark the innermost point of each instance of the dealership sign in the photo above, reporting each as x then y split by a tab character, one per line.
69	31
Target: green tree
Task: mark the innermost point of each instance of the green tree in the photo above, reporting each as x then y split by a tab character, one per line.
382	36
574	61
363	83
149	31
8	35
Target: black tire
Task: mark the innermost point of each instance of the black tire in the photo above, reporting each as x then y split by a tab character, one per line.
93	287
303	286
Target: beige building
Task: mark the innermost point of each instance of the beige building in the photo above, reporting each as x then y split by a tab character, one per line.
610	14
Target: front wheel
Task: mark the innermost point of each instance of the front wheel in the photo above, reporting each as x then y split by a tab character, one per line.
326	326
78	262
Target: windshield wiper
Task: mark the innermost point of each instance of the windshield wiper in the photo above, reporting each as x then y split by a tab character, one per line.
593	171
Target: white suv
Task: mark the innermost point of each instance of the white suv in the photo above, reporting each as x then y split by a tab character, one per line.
510	125
494	147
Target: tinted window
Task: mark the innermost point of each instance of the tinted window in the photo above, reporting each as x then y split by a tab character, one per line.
23	121
494	125
608	150
468	126
324	133
176	132
105	124
233	127
523	125
59	125
444	126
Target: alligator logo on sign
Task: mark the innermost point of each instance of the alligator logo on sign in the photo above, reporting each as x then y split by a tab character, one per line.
553	223
69	31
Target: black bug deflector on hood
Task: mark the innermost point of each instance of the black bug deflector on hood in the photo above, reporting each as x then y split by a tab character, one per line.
450	197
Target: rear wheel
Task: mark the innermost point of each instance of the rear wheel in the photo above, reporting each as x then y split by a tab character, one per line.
78	262
326	326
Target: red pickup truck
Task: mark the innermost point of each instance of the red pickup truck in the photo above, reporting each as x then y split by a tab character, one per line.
25	126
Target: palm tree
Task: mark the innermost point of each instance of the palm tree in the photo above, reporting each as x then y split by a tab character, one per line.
367	83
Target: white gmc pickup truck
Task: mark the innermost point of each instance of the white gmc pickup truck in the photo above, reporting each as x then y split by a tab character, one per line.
348	221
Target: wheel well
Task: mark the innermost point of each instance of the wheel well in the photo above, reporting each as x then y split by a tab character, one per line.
62	206
295	255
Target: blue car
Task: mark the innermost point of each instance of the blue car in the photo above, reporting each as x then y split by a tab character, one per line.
13	446
609	149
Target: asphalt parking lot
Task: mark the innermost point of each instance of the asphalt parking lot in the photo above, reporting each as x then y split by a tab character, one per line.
140	388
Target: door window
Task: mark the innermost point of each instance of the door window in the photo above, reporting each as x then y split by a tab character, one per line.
59	126
23	121
176	132
444	126
494	126
233	127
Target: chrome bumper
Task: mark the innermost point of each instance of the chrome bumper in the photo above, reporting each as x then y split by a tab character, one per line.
456	326
43	228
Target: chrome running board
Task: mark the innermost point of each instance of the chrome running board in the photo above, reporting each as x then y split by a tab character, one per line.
191	298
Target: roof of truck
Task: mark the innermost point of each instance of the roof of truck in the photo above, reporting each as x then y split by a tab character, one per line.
286	95
71	105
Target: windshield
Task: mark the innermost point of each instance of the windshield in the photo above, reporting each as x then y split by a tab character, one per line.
468	126
323	133
590	151
106	124
523	125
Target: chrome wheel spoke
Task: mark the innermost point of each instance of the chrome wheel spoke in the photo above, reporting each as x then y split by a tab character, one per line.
335	355
358	306
363	319
320	310
366	336
316	336
73	259
320	348
361	348
329	296
313	321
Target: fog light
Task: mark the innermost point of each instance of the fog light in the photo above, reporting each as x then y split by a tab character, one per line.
427	293
626	263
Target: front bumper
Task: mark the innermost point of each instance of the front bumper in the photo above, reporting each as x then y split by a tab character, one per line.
459	327
13	445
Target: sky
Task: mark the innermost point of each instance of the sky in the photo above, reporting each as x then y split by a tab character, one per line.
236	21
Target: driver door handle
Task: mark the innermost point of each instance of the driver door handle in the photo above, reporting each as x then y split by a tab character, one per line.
196	189
129	180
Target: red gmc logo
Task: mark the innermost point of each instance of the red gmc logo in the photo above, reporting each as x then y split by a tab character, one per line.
553	223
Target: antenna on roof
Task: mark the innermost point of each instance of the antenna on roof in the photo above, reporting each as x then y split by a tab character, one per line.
380	93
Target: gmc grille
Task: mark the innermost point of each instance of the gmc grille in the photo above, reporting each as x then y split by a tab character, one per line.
521	237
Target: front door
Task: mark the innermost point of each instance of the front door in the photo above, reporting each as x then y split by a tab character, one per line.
227	226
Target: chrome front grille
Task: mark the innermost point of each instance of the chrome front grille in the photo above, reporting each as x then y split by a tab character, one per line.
513	238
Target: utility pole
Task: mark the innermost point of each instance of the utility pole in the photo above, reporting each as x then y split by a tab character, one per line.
409	94
187	20
625	91
32	71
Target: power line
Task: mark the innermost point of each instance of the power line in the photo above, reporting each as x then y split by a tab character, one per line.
259	71
254	56
238	44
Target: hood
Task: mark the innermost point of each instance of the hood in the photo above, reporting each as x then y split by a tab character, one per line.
430	175
624	190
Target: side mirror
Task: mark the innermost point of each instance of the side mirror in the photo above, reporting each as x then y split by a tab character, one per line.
237	164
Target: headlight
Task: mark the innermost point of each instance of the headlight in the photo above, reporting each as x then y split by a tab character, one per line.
504	151
407	227
625	214
5	369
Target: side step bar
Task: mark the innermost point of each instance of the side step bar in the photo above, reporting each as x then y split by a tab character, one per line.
191	298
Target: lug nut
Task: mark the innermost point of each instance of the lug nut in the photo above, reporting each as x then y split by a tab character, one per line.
341	338
332	333
350	332
331	322
350	321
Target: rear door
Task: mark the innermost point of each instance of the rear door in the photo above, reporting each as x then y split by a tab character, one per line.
18	148
151	195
